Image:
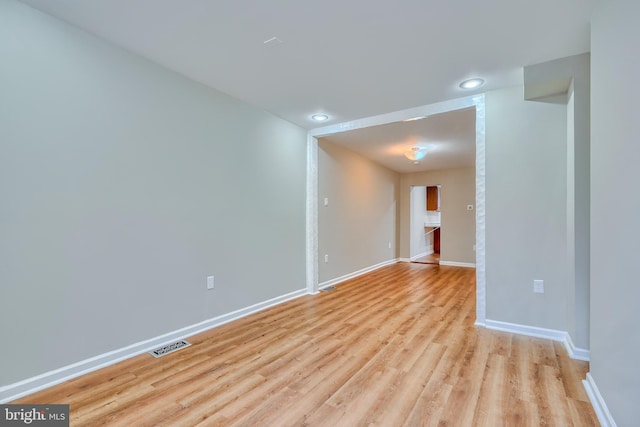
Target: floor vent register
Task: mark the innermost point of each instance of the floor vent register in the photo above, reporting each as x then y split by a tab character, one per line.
169	348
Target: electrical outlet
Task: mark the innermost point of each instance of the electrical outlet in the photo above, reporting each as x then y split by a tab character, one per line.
326	258
538	286
389	245
326	201
210	282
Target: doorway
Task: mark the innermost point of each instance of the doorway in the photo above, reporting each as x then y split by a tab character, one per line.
477	102
425	220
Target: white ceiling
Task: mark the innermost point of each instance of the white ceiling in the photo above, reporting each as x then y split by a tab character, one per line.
348	58
449	138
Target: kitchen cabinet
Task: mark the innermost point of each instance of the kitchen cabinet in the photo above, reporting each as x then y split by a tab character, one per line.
433	198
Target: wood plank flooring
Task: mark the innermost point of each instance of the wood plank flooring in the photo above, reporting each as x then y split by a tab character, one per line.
395	347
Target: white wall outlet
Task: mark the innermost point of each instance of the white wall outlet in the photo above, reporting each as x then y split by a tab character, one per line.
389	245
210	282
326	201
469	207
326	258
538	286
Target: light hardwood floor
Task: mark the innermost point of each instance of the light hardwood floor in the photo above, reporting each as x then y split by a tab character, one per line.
395	347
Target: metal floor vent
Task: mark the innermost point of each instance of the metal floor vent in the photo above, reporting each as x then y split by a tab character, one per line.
169	348
328	288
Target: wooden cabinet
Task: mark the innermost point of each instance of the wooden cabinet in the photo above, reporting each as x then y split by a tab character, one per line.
436	241
433	198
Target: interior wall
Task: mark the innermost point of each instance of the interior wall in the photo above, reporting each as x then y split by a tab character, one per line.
615	246
357	229
574	71
526	190
123	186
458	189
581	181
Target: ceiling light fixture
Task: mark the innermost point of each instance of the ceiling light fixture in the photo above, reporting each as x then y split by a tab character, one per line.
471	83
320	117
416	154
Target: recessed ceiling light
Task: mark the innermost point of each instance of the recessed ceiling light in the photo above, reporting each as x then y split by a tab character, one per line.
471	83
320	117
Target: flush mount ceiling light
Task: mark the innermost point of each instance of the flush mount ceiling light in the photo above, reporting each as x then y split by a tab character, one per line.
471	83
320	117
416	154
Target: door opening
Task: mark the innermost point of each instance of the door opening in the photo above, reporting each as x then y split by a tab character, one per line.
425	239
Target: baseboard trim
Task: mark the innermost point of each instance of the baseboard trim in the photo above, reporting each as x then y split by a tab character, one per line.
534	331
404	259
598	403
458	264
576	353
360	272
31	385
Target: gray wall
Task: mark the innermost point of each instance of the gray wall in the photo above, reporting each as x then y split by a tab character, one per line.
526	192
573	72
458	189
122	186
615	203
355	229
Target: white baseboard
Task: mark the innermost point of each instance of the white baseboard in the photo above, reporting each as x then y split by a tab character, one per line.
576	352
599	406
404	259
365	270
458	264
533	331
48	379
